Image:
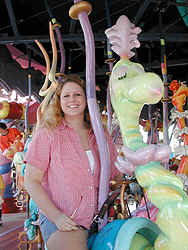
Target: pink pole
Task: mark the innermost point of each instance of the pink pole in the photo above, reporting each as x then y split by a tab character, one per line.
93	107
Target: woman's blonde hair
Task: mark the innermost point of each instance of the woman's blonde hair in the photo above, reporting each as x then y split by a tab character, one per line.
53	113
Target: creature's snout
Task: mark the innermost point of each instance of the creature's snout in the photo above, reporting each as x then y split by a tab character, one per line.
146	88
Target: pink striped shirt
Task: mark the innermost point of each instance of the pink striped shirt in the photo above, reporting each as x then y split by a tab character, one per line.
67	174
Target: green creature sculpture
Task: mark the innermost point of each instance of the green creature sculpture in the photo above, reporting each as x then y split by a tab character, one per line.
131	87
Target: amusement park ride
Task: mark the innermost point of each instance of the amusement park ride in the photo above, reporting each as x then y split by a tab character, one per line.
149	179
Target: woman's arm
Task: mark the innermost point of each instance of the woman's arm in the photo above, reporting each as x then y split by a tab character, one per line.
32	182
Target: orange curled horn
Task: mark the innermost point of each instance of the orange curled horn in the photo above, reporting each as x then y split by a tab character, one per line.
44	90
52	72
50	75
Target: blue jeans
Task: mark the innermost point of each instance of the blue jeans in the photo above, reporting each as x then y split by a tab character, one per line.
47	228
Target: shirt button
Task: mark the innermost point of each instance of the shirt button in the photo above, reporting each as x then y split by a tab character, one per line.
91	187
88	170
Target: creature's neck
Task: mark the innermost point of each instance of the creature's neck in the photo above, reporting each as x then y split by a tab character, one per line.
128	115
124	57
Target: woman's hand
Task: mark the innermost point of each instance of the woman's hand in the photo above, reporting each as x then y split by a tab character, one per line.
65	223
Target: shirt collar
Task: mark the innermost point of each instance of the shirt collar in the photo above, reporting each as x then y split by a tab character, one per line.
64	125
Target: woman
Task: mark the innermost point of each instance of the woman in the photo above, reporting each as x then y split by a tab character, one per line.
63	169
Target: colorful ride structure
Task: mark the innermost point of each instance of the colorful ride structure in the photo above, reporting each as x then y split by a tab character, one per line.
9	202
180	114
11	111
14	110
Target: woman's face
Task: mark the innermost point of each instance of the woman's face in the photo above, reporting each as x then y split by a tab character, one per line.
72	99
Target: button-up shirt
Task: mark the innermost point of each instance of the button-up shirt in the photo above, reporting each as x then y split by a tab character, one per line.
68	179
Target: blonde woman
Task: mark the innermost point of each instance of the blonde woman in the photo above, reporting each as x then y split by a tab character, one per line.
63	168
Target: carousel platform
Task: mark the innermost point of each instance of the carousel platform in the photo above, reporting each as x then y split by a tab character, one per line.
13	225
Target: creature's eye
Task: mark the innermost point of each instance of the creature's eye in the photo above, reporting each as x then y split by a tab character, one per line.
122	76
120	72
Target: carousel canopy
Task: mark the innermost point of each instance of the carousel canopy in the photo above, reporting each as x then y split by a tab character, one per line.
22	22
